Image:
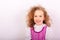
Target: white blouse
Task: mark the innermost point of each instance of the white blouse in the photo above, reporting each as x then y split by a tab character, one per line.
37	28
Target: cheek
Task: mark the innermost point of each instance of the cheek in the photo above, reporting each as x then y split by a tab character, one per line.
35	20
42	18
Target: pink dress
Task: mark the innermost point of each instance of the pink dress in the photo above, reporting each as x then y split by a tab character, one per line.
38	35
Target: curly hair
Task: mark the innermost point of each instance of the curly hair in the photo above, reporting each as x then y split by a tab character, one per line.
30	16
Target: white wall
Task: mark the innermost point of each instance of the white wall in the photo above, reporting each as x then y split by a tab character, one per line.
13	13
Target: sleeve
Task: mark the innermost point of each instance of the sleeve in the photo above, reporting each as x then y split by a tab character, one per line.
27	34
49	34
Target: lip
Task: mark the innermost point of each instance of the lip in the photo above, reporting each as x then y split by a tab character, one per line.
38	21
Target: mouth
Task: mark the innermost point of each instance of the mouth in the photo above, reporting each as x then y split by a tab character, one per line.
38	21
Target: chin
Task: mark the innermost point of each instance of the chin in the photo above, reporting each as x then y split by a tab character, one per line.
38	24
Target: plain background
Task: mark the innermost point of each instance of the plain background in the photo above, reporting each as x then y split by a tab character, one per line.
13	17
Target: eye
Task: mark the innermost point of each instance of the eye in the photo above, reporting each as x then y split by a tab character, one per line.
35	16
40	16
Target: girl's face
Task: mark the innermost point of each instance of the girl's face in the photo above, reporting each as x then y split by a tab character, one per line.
38	17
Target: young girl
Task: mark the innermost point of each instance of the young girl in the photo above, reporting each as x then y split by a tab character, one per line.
37	20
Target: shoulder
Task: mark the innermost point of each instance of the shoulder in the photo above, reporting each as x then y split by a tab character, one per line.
27	30
49	28
49	33
27	33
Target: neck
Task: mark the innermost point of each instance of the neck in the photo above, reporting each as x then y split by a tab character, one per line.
39	24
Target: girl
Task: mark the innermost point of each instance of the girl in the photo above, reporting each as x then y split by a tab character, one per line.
37	20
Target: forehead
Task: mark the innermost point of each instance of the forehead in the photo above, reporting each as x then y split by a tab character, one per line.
39	12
